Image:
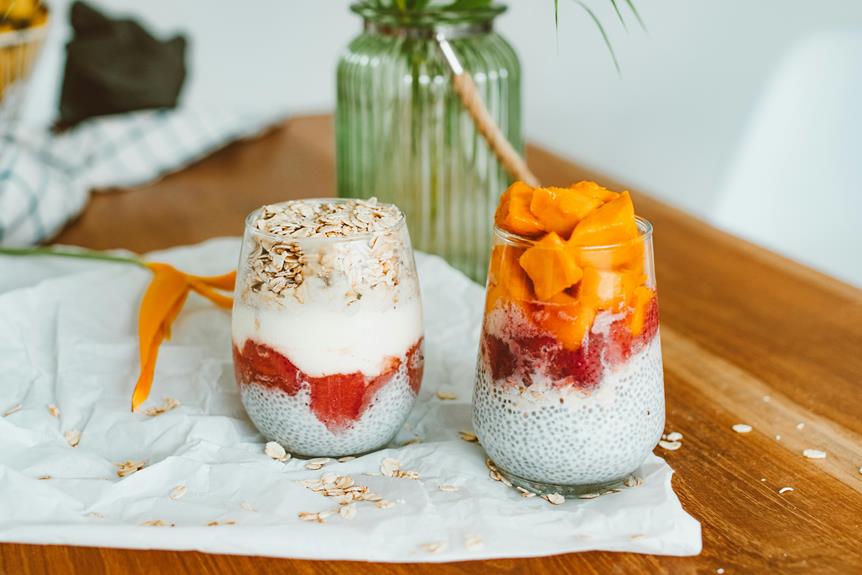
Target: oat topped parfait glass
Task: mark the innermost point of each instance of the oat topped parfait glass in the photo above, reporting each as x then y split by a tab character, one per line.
327	325
569	394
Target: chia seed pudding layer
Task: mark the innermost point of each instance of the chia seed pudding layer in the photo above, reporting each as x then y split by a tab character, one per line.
566	436
291	421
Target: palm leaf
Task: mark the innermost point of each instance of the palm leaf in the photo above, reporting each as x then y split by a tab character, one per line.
636	13
619	15
604	34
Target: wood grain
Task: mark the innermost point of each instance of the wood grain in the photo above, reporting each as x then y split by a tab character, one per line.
738	324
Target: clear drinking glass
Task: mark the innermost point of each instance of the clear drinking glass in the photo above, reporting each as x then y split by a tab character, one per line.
569	394
403	135
327	332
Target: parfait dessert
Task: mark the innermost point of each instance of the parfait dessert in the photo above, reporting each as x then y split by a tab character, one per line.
569	394
327	325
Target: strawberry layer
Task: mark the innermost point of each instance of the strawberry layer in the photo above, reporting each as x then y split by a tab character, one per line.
337	400
518	355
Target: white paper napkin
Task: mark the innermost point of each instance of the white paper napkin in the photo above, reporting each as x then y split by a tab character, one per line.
68	338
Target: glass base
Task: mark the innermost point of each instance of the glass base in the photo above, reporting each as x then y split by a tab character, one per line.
585	491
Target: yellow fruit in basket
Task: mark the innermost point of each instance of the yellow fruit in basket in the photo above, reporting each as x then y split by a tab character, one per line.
20	10
18	49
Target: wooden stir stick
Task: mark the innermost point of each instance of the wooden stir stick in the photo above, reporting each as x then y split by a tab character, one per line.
466	89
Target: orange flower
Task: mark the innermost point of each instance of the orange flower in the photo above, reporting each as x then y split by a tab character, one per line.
161	305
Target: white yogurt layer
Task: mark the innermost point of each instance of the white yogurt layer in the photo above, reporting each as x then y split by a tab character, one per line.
323	339
567	437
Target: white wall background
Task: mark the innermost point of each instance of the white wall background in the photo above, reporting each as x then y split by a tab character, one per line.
672	124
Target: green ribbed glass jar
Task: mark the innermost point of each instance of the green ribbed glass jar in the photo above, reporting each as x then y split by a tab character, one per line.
404	136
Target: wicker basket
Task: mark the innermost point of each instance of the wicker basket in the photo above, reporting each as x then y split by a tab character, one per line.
19	50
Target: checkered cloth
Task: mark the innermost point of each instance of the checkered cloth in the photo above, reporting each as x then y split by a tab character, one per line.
45	179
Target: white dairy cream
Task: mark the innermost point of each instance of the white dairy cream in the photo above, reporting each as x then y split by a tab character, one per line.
323	340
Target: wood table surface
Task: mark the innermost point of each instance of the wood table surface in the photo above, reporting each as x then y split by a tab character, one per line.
748	337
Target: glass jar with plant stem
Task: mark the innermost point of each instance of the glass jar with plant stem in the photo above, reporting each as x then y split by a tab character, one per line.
403	135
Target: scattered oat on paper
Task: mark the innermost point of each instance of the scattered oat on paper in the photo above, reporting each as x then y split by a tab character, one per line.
11	410
73	437
308	516
389	466
448	488
346	458
814	454
168	404
468	436
126	468
157	523
446	396
53	410
433	547
316	463
473	542
742	428
275	451
178	492
555	498
385	504
246	506
348	511
633	481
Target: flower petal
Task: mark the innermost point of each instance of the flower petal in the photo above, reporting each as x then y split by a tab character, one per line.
160	305
225	282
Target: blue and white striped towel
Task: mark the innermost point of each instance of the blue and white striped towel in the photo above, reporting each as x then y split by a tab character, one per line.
45	179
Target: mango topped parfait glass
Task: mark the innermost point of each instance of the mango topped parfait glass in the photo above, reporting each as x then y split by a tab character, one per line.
569	394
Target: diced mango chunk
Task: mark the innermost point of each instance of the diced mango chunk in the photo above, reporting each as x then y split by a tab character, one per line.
640	300
593	190
513	213
551	265
612	223
567	319
628	256
506	278
605	289
560	209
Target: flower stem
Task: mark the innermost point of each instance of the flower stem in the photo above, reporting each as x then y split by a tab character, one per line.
81	254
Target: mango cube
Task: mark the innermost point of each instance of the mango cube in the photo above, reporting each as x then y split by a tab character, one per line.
513	213
560	209
551	265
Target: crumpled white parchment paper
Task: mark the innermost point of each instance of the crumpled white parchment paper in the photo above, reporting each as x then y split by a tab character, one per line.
68	338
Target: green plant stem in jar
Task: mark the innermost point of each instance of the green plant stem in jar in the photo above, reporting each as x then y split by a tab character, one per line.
403	135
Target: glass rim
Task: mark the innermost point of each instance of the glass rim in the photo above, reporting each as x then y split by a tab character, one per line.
645	230
251	217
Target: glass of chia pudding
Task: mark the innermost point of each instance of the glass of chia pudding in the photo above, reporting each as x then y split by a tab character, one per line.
327	325
569	394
